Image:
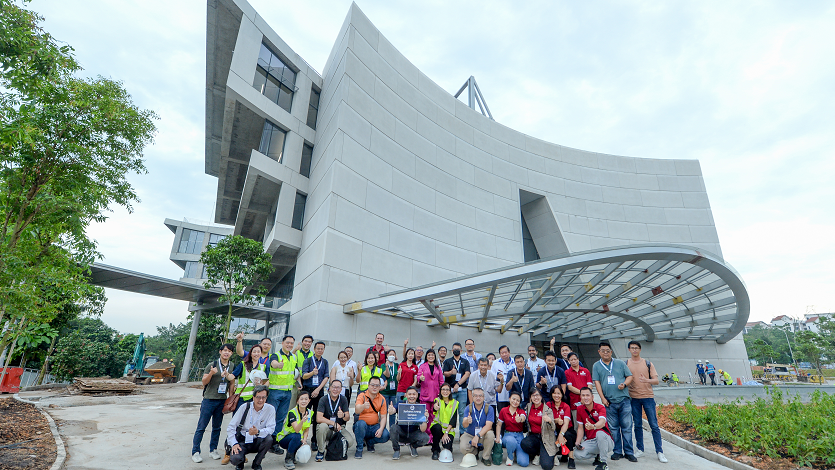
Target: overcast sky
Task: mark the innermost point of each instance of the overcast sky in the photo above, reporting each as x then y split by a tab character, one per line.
744	87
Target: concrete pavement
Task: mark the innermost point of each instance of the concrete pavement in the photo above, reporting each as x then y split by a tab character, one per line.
155	430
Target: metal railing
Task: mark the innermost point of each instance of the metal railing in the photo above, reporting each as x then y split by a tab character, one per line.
30	376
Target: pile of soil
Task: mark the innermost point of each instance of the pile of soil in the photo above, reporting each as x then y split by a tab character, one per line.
25	438
686	431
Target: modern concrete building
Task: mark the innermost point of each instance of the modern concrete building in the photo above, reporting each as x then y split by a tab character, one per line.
390	206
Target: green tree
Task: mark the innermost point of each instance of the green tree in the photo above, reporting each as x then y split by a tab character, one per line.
91	349
812	347
761	351
237	264
210	334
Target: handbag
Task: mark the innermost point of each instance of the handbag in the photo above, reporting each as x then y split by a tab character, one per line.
232	400
497	453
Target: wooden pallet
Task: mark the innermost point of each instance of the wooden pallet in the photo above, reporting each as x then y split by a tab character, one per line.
103	385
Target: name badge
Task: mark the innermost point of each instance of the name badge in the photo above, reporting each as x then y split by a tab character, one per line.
611	380
392	385
315	379
222	387
477	430
458	377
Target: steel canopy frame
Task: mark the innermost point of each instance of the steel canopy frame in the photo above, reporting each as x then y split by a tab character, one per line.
639	291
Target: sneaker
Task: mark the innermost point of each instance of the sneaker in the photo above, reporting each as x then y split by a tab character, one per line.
662	458
617	456
195	457
371	449
224	460
276	449
396	455
214	455
358	454
289	464
631	458
639	453
536	461
571	464
240	466
509	462
435	455
596	460
601	466
487	462
413	449
320	456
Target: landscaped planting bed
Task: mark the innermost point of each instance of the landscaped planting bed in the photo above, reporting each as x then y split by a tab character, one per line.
766	433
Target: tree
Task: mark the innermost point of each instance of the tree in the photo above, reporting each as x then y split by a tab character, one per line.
761	351
92	349
812	347
210	334
237	264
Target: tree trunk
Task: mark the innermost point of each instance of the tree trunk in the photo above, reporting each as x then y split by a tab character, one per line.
228	324
45	367
6	367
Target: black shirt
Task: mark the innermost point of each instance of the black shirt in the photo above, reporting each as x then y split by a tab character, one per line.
325	404
463	367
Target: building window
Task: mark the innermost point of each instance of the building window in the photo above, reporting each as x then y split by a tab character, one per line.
298	211
313	109
194	271
215	238
307	155
191	242
272	141
274	79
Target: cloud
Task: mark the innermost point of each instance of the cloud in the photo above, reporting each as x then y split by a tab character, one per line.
745	88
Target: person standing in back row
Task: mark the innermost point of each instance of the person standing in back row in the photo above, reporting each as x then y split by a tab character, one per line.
643	400
457	374
217	382
612	378
533	363
378	349
562	356
502	369
471	356
315	374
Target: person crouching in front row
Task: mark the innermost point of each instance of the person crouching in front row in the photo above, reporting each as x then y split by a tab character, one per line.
478	433
596	440
250	430
408	432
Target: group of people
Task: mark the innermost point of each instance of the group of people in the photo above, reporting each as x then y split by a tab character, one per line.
540	411
709	370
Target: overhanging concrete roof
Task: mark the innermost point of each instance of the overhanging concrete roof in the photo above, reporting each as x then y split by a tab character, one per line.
638	292
206	299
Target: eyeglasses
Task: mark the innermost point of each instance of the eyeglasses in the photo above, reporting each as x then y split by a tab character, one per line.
373	385
260	398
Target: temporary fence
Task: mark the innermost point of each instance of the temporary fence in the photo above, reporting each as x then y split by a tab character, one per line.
30	377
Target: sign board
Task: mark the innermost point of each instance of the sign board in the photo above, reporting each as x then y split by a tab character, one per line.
408	413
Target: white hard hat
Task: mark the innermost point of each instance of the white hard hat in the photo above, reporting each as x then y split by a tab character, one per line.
700	361
707	360
468	461
258	374
303	454
446	456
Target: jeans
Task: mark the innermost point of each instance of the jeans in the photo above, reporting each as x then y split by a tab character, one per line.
512	441
437	436
416	438
365	432
532	445
619	417
291	442
648	405
712	379
461	396
393	401
209	409
703	378
280	400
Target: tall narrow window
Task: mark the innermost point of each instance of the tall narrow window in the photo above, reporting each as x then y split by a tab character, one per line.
313	108
272	141
193	270
274	79
191	242
307	155
298	211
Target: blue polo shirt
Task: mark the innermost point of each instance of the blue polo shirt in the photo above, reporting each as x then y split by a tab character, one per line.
312	363
480	417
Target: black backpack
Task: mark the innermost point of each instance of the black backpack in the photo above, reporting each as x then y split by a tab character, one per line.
337	448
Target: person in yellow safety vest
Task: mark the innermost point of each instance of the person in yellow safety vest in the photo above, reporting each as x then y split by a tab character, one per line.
295	431
243	372
446	419
675	379
726	377
369	370
282	380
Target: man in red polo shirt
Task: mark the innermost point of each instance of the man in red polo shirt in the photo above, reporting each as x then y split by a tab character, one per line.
596	439
577	378
379	349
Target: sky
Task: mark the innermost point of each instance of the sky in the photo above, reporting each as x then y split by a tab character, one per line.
744	87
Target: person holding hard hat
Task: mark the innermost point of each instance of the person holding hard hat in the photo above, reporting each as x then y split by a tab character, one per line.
295	435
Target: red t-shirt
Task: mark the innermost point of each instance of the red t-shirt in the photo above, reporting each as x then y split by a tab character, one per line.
561	411
381	354
535	419
407	376
584	416
579	379
509	420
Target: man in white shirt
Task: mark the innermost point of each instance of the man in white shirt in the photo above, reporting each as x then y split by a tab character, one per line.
250	430
351	363
501	369
533	363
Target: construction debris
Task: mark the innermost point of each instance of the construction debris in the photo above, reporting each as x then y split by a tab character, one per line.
99	385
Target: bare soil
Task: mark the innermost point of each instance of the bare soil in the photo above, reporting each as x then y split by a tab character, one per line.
687	432
25	439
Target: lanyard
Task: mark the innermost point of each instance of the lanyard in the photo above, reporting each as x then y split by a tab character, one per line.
391	373
480	415
316	366
521	382
481	382
333	408
552	377
608	369
457	366
220	366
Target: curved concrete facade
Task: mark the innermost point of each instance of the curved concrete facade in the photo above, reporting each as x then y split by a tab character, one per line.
410	186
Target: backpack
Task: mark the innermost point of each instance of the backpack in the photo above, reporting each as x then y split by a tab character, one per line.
337	448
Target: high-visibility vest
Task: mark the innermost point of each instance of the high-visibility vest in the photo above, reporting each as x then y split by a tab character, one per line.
246	391
444	413
283	378
366	374
288	428
301	357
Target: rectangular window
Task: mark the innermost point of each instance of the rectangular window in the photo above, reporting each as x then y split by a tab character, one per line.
313	109
274	79
194	271
191	242
272	141
298	211
215	238
307	155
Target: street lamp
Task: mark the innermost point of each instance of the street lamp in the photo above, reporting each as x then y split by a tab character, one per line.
796	368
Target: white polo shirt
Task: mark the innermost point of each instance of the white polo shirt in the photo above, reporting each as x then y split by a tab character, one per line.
505	369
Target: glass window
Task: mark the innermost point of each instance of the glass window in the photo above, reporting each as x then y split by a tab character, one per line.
272	141
274	79
307	155
191	242
194	271
298	211
313	108
215	238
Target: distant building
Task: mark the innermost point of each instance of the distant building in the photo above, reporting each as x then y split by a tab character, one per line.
751	324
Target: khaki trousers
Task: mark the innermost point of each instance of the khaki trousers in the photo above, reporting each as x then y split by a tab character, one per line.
324	434
488	440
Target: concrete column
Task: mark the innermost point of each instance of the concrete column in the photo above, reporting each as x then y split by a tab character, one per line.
192	338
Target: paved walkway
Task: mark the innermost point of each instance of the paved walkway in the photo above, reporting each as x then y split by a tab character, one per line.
155	430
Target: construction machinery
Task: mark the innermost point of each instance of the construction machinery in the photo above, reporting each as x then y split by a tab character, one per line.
147	370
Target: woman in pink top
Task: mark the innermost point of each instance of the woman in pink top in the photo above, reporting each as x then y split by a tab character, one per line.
431	377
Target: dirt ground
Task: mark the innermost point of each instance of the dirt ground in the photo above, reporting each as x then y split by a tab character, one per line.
25	438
